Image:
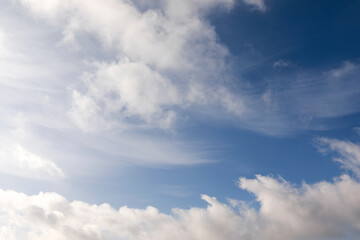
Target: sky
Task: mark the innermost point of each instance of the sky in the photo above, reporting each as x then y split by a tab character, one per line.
193	119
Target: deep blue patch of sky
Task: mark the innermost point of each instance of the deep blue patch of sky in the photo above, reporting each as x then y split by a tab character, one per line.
308	33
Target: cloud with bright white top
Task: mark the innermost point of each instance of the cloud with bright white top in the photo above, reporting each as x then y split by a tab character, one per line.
166	59
323	210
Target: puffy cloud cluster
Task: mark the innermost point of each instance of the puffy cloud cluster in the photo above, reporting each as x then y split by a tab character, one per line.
325	210
321	211
166	58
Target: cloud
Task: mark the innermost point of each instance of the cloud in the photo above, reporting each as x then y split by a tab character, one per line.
348	152
318	211
281	64
36	102
322	210
167	60
169	53
18	161
303	99
346	68
126	89
256	4
3	50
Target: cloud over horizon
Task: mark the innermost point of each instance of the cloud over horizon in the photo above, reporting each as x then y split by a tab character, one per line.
312	211
321	210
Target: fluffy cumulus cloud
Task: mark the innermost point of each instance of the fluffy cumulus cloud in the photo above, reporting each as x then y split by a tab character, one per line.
325	210
320	211
167	58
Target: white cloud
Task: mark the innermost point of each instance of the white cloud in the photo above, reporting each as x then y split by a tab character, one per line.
320	211
126	89
3	50
349	153
175	42
257	4
18	161
34	102
166	59
324	210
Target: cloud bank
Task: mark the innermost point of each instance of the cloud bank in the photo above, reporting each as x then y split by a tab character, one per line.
323	210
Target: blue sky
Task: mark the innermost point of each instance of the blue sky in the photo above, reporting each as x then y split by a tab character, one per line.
126	104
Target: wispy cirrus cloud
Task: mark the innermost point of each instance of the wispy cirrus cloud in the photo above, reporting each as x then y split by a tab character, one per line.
281	64
348	152
256	4
345	69
304	99
19	161
325	93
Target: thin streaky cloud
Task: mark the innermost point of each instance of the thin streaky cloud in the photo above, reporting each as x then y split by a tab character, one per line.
256	4
18	161
348	152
